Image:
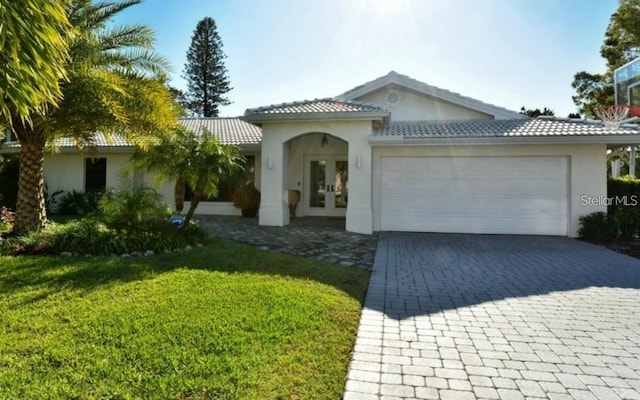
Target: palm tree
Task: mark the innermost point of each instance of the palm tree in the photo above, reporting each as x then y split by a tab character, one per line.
193	159
34	48
115	85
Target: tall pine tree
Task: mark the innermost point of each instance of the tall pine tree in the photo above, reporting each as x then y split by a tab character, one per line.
204	71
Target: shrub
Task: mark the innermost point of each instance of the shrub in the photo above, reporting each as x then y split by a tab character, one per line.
50	199
137	210
129	221
92	236
597	226
627	220
627	187
78	202
247	198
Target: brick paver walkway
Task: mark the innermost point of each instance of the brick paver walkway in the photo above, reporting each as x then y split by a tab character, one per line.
497	317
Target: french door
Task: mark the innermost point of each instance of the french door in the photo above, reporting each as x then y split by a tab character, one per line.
326	185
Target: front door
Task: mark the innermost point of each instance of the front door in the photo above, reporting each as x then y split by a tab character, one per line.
326	185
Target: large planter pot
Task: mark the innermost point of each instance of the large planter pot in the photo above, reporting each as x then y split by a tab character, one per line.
249	212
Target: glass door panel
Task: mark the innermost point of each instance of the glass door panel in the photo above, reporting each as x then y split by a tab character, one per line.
317	181
341	184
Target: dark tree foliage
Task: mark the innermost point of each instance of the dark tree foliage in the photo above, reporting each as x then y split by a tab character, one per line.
531	113
621	45
204	71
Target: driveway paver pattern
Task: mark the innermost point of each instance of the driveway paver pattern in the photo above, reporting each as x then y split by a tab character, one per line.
451	316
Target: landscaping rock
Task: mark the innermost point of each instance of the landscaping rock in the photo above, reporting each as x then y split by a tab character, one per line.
149	253
66	254
264	247
346	263
125	255
187	248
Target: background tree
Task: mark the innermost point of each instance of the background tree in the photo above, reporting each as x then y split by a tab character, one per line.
190	158
621	45
204	71
115	84
33	51
531	113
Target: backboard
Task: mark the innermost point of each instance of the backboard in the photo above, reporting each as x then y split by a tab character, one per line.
627	84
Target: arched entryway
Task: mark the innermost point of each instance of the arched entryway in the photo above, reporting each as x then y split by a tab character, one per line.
318	174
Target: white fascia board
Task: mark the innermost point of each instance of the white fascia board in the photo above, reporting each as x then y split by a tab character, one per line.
252	147
402	141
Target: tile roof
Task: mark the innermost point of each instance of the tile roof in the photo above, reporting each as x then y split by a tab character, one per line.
315	106
443	94
503	128
227	130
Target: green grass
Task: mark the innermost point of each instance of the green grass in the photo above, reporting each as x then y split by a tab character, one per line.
225	321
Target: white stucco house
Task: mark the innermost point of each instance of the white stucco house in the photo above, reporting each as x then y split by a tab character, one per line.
397	154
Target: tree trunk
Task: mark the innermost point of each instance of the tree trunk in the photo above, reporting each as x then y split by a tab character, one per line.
195	200
198	193
178	194
30	210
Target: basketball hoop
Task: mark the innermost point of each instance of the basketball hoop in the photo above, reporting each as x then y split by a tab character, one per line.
634	111
612	116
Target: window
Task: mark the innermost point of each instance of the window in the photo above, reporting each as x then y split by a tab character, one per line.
95	174
226	185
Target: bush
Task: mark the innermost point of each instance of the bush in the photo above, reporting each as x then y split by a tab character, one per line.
620	189
627	220
92	236
137	210
597	226
128	221
78	202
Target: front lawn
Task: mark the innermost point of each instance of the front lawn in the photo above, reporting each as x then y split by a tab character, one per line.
225	321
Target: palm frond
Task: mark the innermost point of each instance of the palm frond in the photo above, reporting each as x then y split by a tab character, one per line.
137	61
124	36
105	10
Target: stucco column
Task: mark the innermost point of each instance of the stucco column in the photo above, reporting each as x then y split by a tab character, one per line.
359	211
273	200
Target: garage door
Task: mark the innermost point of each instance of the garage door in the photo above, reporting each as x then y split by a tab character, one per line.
509	195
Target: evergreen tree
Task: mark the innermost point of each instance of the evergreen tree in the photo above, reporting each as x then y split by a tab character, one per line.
531	113
621	45
206	75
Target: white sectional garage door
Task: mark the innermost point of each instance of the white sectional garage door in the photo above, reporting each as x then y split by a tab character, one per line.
507	195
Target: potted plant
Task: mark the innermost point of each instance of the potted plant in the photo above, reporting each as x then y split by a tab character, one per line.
246	197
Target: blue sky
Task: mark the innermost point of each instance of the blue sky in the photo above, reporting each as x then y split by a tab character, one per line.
505	52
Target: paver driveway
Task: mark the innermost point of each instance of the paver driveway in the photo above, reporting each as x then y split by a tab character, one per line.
498	317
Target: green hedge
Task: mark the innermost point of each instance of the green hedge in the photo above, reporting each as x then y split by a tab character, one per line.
626	186
623	212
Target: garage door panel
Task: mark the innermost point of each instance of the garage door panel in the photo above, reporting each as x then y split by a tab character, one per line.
521	195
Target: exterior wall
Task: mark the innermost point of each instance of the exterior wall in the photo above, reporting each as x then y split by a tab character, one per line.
279	153
414	106
66	171
587	170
